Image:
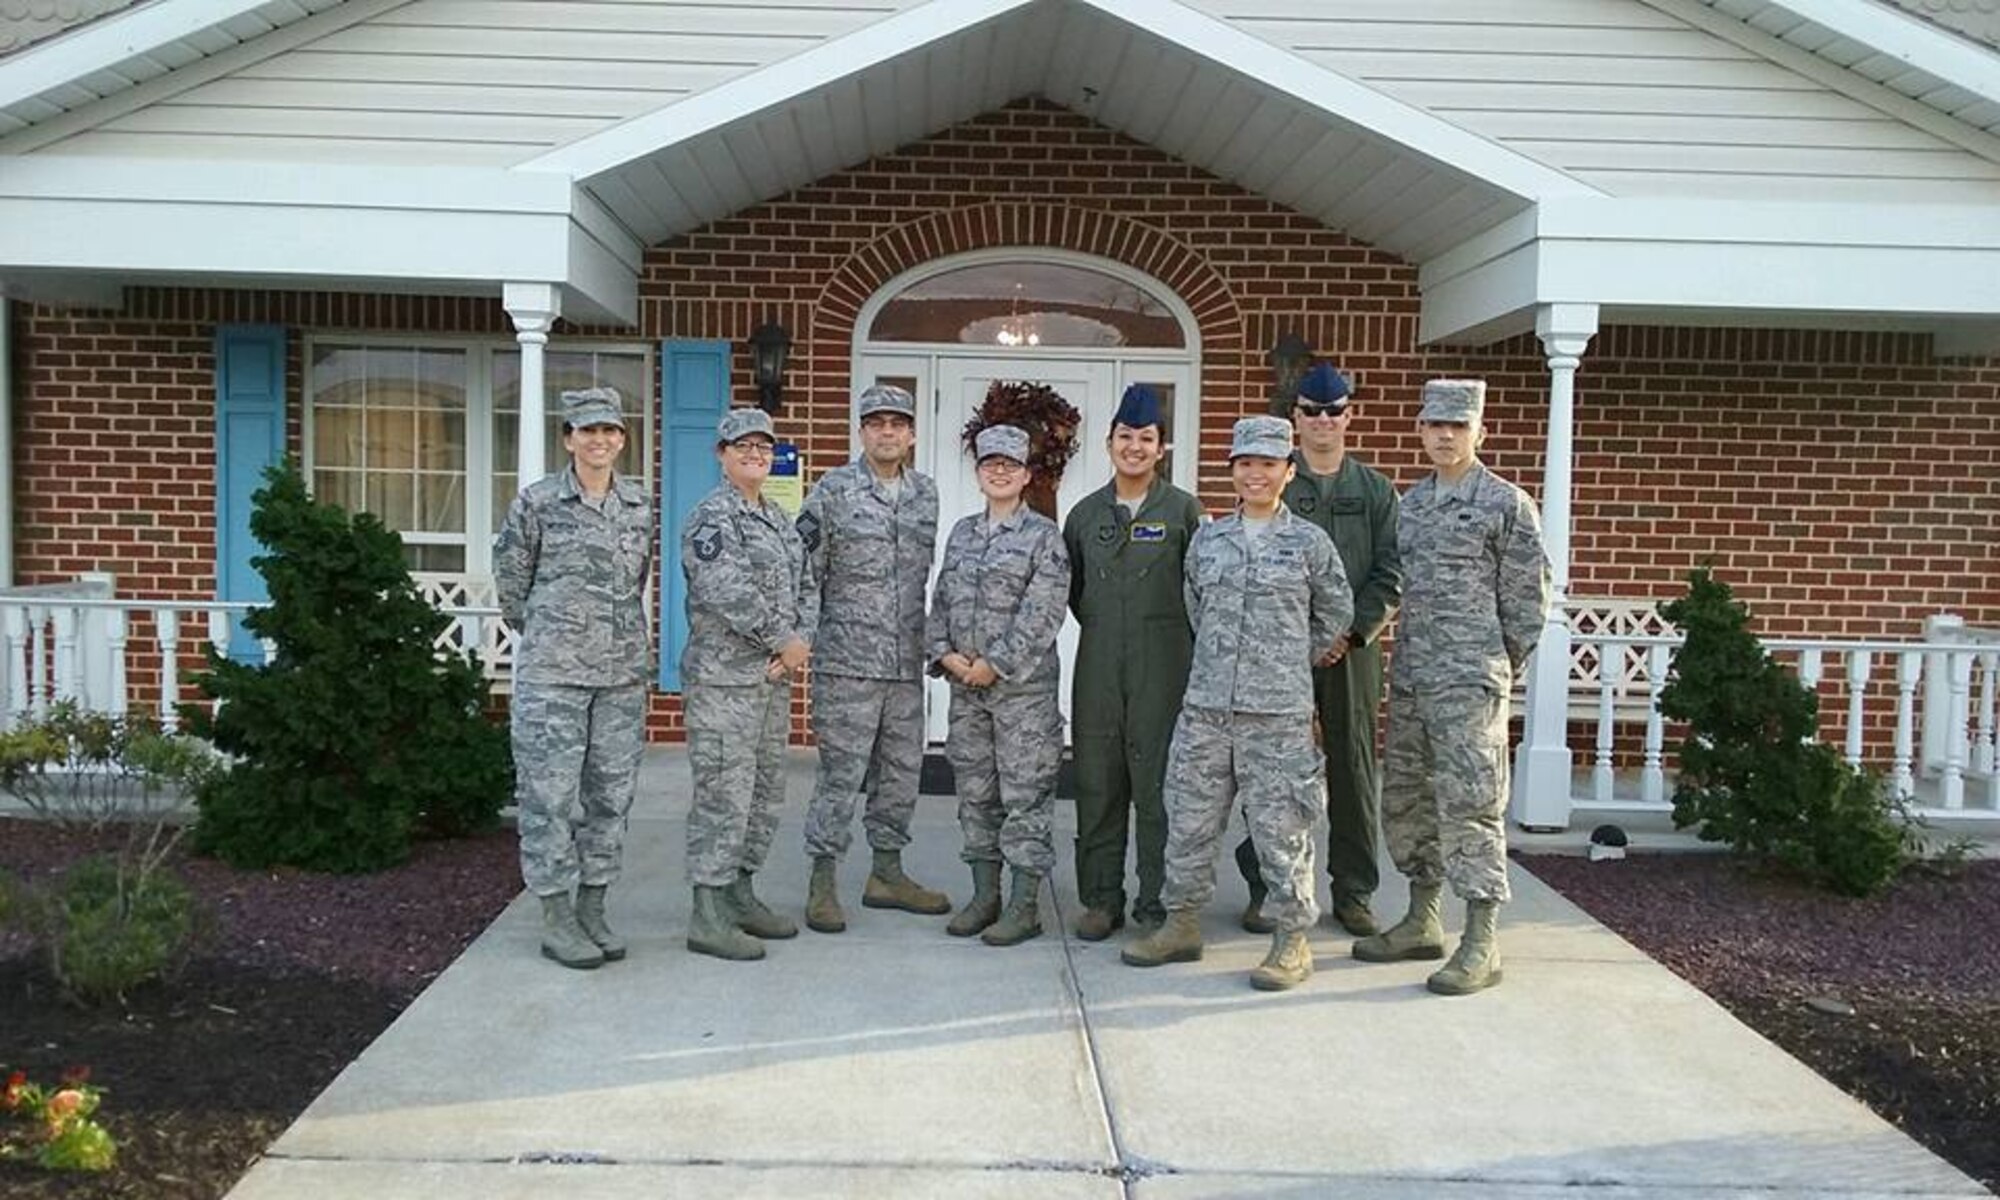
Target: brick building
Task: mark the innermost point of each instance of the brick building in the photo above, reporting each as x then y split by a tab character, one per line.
1734	279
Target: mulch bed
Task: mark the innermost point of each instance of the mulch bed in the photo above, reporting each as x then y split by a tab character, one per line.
1916	964
295	975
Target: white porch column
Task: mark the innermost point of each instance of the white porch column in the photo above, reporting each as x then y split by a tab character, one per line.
1541	798
533	308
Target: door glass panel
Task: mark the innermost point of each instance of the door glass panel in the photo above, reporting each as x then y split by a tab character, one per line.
1028	304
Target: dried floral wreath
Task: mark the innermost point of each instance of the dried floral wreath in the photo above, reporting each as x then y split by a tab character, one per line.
1049	421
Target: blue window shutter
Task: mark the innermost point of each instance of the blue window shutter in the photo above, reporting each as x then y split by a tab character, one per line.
249	436
694	390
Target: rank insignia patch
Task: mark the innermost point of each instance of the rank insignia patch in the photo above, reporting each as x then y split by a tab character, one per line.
708	543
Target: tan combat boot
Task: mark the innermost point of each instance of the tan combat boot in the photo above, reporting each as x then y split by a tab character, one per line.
1023	918
712	928
563	939
1475	966
888	887
590	918
753	916
1420	934
984	907
1289	964
823	913
1178	940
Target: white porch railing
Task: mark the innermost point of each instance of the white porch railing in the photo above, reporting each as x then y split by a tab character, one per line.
73	641
1957	716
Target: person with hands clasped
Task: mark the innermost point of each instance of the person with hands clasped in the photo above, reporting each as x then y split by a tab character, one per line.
995	612
746	608
571	565
1269	598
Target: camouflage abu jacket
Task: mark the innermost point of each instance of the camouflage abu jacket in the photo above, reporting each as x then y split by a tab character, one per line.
1264	609
572	581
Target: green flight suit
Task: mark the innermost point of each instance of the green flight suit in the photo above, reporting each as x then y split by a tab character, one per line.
1131	668
1357	507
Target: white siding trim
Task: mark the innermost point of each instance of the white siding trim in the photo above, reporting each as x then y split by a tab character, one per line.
1832	75
173	83
1761	261
768	87
451	229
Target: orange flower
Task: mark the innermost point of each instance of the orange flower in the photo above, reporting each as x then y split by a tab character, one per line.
63	1105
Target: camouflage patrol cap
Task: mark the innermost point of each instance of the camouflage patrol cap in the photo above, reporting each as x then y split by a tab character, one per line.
886	397
740	423
593	406
1262	437
1006	441
1459	401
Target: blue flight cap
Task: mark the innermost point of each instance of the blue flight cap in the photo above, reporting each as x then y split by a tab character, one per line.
1326	386
1138	408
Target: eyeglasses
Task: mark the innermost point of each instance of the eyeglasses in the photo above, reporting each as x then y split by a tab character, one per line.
1307	408
1001	466
752	448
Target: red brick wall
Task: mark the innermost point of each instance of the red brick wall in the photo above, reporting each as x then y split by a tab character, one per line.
1842	480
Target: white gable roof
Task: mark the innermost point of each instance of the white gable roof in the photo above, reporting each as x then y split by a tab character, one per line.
1476	138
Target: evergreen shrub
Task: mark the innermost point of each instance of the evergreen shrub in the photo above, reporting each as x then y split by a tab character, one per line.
1753	773
360	735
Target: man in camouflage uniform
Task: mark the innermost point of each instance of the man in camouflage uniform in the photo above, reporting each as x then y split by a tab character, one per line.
1356	505
1127	544
747	608
1268	597
1475	595
995	612
870	530
571	563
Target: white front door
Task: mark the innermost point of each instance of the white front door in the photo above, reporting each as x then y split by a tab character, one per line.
962	383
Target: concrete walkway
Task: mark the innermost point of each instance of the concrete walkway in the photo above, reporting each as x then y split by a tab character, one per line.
893	1061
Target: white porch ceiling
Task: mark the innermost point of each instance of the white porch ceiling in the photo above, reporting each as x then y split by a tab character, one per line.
1127	78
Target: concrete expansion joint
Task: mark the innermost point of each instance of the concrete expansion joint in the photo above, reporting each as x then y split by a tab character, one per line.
564	1158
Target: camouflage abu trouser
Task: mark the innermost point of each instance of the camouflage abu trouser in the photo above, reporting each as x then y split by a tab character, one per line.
1270	763
1444	790
736	751
576	767
1005	751
871	744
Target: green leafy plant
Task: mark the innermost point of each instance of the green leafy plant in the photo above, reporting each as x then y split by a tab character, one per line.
1753	773
55	1127
111	924
359	735
88	770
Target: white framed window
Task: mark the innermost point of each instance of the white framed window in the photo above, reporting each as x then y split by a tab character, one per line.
422	432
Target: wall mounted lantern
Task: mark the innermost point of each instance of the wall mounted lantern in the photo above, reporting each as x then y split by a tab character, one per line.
1289	358
769	347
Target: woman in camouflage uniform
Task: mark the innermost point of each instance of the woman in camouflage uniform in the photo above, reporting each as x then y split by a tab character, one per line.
571	564
745	568
995	612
